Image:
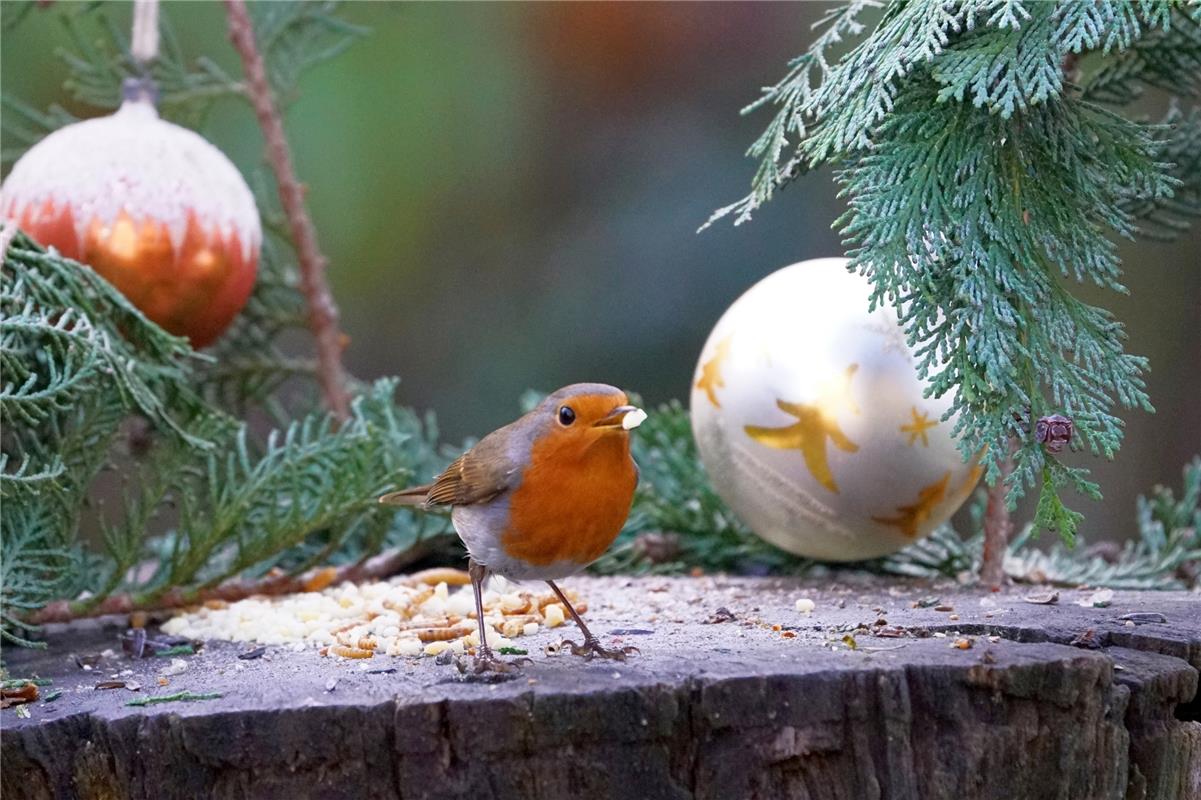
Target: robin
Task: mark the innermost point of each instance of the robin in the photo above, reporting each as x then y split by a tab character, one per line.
542	497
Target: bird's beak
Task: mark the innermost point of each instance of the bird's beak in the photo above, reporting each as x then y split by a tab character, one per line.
624	417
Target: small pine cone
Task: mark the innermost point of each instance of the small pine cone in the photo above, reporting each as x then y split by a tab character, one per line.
1054	431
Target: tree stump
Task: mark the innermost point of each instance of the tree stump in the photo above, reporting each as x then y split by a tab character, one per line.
887	689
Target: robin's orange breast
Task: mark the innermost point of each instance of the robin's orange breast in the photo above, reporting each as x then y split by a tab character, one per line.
572	501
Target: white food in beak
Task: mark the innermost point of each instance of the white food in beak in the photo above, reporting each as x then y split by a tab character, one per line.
633	419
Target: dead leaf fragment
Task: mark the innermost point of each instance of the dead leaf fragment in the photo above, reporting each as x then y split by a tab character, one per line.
18	695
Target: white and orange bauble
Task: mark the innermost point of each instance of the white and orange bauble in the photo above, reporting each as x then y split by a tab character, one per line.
812	423
158	211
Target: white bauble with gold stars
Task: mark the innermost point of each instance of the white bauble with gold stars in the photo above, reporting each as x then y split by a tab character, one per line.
809	417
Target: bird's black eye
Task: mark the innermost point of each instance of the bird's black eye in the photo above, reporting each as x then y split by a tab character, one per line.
566	415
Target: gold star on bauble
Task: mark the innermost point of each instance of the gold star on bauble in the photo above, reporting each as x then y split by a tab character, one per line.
815	424
917	429
711	379
909	518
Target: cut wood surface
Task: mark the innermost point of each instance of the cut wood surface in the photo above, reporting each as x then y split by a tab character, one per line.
948	693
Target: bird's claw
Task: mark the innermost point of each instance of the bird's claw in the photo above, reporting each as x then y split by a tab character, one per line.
592	649
486	662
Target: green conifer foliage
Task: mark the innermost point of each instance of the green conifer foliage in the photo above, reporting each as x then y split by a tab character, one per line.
91	383
987	167
91	386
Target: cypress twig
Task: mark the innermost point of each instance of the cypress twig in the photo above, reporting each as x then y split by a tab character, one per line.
185	696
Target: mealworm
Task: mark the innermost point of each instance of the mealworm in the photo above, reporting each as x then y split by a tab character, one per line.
523	618
320	579
436	575
412	625
440	634
350	652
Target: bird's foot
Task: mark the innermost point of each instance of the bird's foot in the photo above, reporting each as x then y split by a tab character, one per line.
591	648
485	661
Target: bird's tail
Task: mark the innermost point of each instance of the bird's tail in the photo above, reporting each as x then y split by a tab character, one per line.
413	496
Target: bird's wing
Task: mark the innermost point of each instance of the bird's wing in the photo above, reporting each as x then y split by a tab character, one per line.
477	476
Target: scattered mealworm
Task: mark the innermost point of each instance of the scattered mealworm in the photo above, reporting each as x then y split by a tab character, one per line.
412	625
447	575
320	579
350	652
440	634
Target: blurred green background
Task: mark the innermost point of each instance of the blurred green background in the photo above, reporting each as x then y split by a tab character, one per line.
509	196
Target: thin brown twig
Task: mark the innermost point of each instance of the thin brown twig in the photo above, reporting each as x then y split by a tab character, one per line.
379	567
997	526
323	313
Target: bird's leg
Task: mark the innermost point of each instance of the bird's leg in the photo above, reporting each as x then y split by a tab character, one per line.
591	647
484	660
